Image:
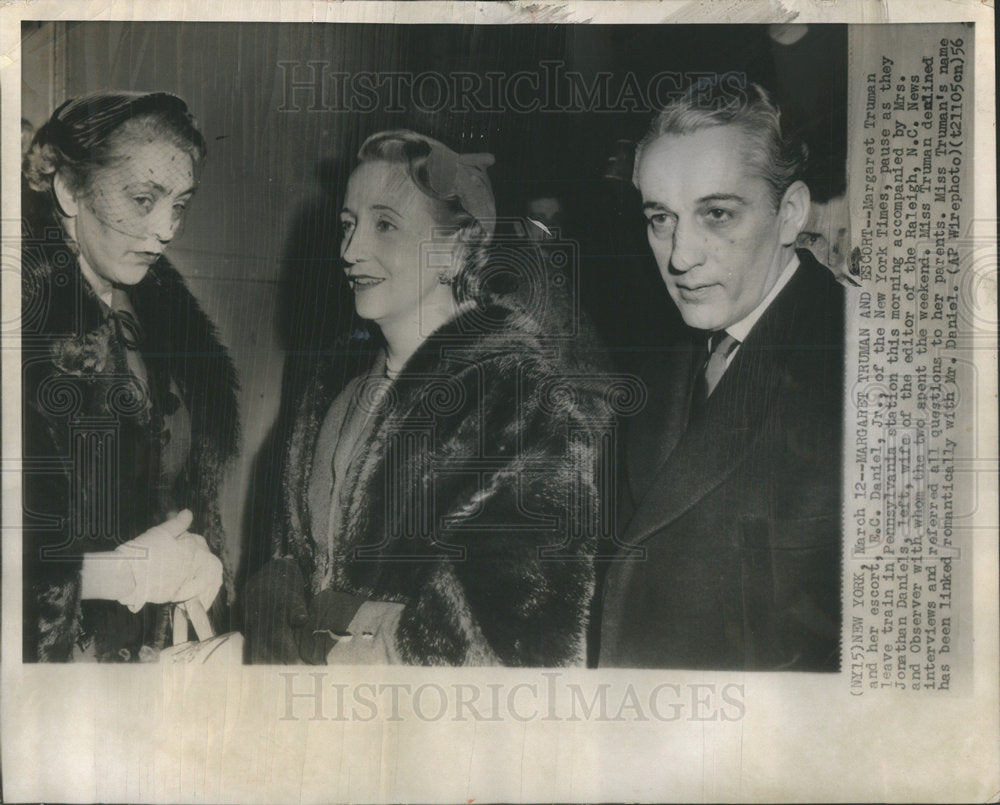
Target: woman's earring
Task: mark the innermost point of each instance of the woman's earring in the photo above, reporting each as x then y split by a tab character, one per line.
447	276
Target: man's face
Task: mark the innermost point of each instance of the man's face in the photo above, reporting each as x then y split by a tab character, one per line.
715	233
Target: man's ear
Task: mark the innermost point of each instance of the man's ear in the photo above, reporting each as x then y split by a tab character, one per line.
65	197
793	212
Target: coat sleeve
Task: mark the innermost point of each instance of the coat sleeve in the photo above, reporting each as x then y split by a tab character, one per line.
517	511
51	588
74	501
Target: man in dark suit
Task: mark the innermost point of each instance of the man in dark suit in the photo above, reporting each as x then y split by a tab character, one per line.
730	492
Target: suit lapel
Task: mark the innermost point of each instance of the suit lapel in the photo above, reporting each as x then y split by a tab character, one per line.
709	448
654	432
705	454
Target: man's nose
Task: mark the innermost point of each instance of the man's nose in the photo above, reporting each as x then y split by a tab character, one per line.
688	248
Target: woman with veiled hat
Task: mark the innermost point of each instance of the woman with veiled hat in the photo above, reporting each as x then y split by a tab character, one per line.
129	399
441	509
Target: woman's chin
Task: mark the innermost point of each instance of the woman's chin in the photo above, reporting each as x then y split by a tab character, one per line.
131	274
368	308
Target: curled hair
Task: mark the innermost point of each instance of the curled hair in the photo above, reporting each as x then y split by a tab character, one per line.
726	100
82	134
449	204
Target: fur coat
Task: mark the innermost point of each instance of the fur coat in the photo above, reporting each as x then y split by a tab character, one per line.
473	499
92	441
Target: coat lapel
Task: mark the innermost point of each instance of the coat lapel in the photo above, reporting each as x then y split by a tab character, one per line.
654	432
710	447
705	454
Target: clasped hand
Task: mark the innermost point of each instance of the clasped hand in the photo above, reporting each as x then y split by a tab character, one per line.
169	564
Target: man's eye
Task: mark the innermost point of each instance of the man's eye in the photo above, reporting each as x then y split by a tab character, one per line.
717	215
346	225
144	202
180	207
659	221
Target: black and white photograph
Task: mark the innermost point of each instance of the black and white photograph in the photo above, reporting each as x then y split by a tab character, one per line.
499	402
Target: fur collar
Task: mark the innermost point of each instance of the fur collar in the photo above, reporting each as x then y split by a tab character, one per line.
487	397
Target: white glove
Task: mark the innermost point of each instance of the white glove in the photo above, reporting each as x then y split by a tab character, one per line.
162	565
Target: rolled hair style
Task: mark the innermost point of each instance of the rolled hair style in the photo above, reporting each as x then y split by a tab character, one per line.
81	136
458	188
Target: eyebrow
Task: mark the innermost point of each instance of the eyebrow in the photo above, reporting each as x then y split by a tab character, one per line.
722	197
709	199
655	205
160	188
379	207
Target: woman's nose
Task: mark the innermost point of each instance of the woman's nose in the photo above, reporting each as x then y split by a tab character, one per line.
353	248
165	224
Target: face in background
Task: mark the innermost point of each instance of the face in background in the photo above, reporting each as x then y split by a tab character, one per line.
825	234
386	220
547	211
131	209
717	237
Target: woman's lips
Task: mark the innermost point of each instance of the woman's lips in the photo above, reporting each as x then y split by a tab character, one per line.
362	282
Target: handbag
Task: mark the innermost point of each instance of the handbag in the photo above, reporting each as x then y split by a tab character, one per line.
209	648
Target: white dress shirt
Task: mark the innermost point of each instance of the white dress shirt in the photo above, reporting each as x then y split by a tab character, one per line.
741	330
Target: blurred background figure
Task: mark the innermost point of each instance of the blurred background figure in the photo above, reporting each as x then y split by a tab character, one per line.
27	133
826	236
546	213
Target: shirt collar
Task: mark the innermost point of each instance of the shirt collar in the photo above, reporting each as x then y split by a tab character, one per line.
742	328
